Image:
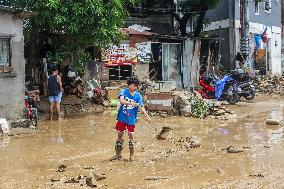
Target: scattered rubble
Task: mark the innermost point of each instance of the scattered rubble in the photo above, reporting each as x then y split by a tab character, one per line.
193	142
155	178
188	143
83	181
61	168
86	106
87	181
270	85
164	134
274	118
99	177
234	149
4	126
258	174
194	105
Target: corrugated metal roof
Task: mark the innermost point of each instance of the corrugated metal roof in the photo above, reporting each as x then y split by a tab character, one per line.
128	31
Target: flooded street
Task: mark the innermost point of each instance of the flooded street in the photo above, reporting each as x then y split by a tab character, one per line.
84	144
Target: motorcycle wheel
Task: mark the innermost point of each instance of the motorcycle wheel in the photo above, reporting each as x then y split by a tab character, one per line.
233	98
251	96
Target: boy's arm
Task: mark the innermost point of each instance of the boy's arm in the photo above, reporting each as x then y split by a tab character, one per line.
60	83
122	101
144	112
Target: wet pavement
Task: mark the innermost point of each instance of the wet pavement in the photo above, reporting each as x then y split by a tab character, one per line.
30	159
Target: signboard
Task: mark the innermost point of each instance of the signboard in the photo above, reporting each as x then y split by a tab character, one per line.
144	52
126	54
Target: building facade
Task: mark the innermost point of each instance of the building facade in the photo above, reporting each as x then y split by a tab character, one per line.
263	16
12	64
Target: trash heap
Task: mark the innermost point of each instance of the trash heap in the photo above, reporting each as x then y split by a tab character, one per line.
86	106
76	87
194	105
270	85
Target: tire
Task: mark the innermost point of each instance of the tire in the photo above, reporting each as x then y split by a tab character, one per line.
251	96
232	96
234	99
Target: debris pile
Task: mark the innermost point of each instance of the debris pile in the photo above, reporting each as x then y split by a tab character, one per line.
270	85
4	126
274	118
234	149
77	87
81	180
85	106
188	143
193	105
164	134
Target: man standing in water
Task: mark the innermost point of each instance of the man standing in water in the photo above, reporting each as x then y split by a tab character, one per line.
55	90
130	99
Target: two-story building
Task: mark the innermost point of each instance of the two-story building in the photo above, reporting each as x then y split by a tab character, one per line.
263	15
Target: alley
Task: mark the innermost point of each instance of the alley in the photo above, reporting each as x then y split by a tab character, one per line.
30	159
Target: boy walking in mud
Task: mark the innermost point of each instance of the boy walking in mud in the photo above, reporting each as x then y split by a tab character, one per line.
130	99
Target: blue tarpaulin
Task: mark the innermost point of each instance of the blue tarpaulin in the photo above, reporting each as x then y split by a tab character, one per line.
220	85
258	39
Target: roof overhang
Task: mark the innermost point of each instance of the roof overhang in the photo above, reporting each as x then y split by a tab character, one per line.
20	13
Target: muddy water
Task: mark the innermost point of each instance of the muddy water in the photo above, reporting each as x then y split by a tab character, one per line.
30	160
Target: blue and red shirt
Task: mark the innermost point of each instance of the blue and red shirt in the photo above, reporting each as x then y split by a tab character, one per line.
127	113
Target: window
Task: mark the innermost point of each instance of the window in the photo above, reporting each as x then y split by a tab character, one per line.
5	55
267	6
256	8
120	72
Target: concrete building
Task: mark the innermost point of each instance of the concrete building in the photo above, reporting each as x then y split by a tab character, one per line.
225	18
12	63
282	22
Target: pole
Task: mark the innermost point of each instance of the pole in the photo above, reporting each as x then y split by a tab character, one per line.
140	8
219	52
244	14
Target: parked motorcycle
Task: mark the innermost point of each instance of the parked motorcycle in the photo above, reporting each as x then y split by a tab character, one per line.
245	85
208	86
224	89
96	92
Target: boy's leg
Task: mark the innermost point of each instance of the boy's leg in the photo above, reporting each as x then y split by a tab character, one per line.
58	109
51	110
58	102
131	145
118	146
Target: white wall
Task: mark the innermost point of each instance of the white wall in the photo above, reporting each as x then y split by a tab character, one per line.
12	88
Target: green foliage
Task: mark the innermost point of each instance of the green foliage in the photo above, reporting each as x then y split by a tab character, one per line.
199	108
75	24
80	60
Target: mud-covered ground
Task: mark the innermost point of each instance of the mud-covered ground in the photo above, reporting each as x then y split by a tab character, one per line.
30	159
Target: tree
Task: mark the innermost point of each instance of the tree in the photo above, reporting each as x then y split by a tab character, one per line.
74	24
191	8
182	11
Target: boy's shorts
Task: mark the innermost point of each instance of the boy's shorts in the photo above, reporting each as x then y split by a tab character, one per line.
56	98
122	127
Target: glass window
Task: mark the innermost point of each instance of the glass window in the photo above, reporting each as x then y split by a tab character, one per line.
267	6
120	72
5	59
256	8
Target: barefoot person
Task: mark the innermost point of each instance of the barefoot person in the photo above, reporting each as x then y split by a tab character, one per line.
130	99
55	90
